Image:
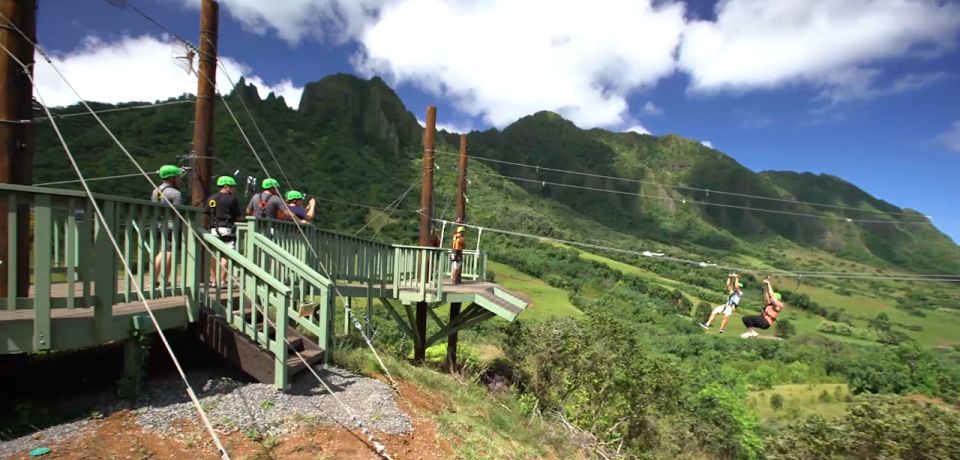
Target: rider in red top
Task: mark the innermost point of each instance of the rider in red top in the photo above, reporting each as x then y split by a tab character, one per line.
773	304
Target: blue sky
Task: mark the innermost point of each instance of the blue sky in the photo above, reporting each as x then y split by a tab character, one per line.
861	89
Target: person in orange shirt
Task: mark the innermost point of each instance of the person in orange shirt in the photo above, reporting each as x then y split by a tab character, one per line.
459	243
773	304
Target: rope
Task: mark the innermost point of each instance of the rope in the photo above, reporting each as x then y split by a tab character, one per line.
393	204
379	448
683	187
112	238
89	179
120	109
705	203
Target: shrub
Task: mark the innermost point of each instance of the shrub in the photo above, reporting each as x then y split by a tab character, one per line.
825	397
776	401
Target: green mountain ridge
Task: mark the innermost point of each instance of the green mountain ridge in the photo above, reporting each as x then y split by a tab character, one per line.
353	140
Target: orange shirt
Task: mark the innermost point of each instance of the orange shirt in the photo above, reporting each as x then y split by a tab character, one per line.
459	242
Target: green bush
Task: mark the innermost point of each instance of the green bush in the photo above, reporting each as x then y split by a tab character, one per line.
776	401
873	427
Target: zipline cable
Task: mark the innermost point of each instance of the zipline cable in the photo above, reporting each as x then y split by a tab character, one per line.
109	233
705	203
662	256
684	187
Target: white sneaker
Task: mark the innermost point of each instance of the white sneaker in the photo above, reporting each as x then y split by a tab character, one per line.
704	326
754	334
745	335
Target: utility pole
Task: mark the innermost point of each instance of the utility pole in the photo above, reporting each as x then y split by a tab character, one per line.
426	214
461	219
16	136
203	113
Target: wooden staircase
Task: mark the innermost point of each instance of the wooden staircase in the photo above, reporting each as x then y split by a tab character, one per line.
249	356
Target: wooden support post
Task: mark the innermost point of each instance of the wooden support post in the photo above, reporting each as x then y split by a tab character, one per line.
426	216
452	338
203	112
16	140
461	218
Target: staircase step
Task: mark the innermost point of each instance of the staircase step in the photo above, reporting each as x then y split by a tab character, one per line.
310	355
296	341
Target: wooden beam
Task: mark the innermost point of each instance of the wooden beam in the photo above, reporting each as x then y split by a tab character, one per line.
16	140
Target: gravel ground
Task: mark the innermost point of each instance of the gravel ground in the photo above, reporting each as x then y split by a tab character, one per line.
233	405
45	438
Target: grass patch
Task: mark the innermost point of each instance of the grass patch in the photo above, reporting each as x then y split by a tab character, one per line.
480	424
546	300
828	400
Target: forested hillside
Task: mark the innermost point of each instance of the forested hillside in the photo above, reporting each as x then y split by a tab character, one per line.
866	368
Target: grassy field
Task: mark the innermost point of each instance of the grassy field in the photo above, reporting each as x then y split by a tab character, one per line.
939	328
828	400
546	301
636	271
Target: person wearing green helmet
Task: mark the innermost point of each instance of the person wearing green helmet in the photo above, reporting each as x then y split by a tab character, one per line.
167	192
267	204
224	212
773	304
733	299
295	205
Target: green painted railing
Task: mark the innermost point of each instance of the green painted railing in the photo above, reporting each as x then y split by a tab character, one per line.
258	306
419	269
347	259
473	267
74	266
72	262
306	286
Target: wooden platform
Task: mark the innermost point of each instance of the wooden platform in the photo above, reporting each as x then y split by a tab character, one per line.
69	328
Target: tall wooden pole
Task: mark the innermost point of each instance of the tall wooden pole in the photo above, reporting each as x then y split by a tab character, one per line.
16	137
203	113
426	214
461	218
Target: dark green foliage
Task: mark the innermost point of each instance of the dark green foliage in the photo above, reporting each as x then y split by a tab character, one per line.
874	427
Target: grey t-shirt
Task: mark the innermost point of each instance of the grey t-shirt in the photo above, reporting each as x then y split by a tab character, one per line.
167	192
266	205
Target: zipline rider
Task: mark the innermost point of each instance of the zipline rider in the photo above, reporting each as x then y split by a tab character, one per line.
224	212
267	204
166	192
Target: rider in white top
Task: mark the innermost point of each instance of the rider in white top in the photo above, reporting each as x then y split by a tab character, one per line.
733	287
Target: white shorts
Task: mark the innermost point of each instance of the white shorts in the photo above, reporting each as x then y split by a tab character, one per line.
725	309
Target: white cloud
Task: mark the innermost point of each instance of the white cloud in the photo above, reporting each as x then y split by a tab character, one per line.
294	20
650	109
830	44
140	69
951	138
493	61
455	128
637	128
707	144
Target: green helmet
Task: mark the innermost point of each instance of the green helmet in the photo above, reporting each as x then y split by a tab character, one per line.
168	171
777	296
226	180
294	195
270	183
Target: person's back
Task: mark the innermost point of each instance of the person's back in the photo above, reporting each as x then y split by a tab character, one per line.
224	210
266	205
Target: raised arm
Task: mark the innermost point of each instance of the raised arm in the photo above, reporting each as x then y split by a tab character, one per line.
311	208
731	284
767	291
